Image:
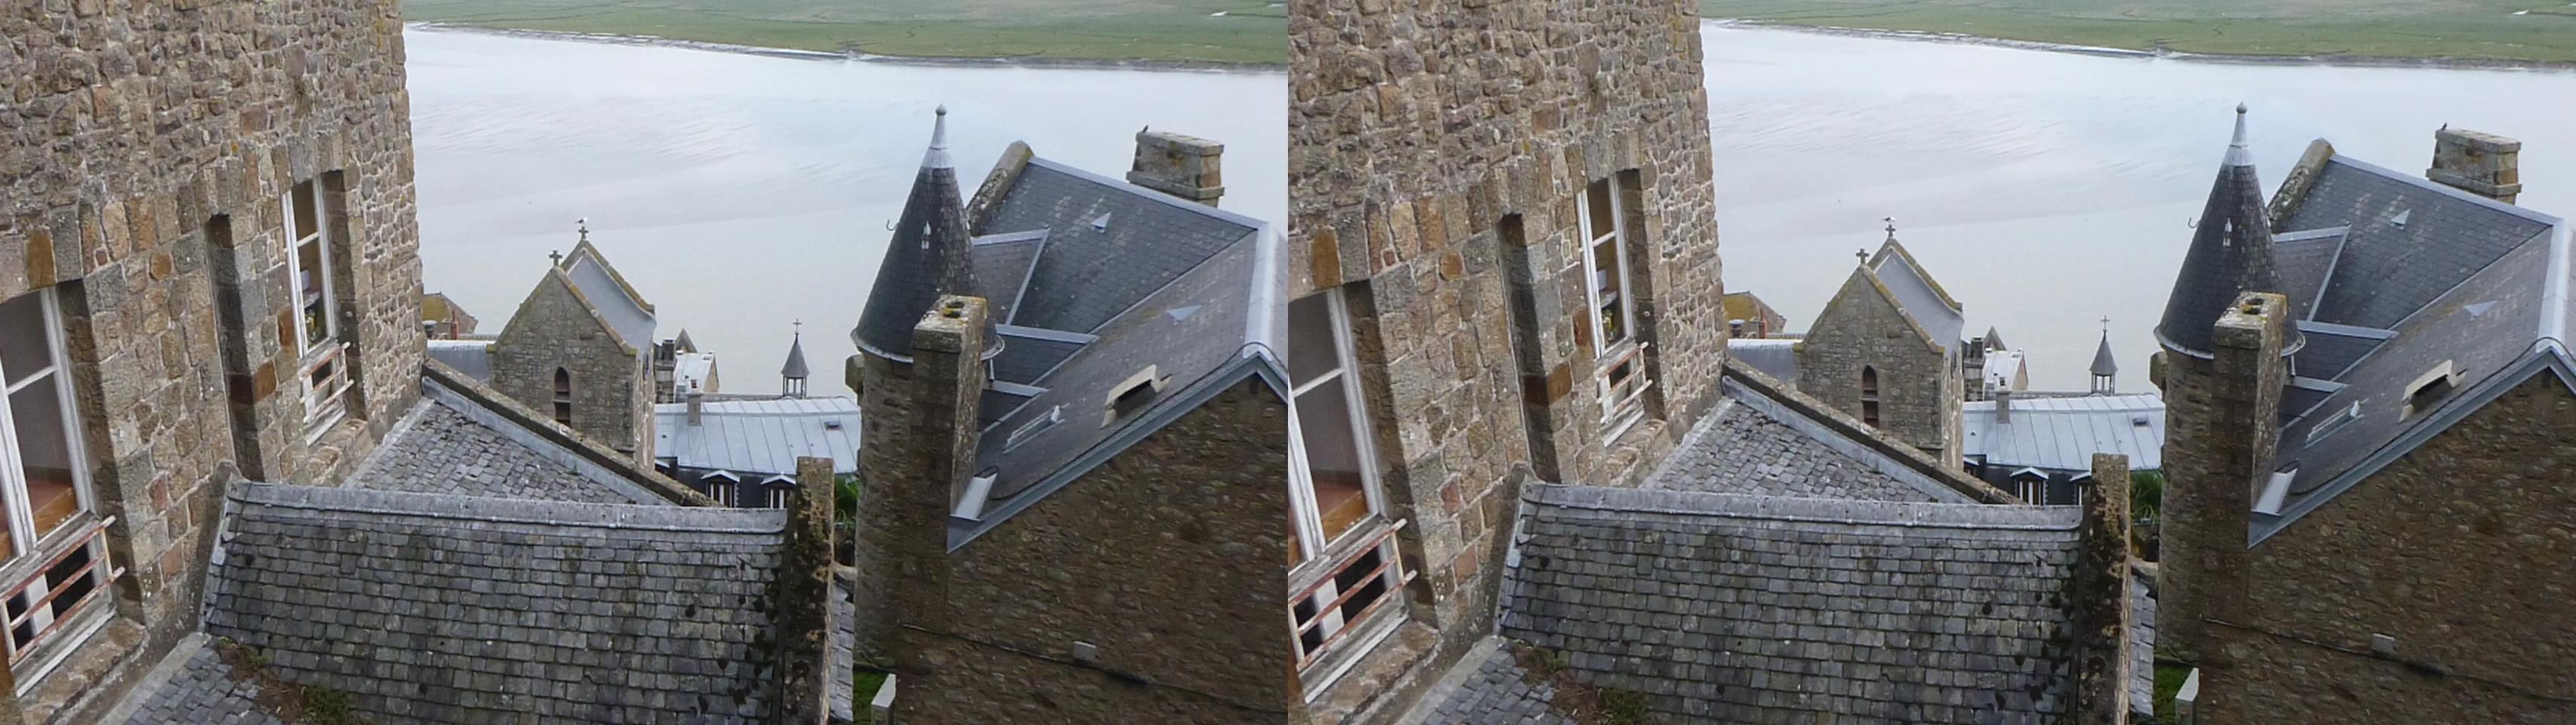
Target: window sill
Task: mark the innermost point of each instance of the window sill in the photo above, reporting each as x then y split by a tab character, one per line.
1365	535
1340	658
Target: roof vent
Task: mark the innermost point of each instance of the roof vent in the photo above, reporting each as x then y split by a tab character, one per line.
1100	223
831	424
1133	394
2139	421
2399	221
970	503
2430	388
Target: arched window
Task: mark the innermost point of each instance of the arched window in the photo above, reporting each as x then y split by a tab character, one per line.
563	396
1869	395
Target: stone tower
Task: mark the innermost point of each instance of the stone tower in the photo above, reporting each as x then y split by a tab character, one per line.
919	399
2224	337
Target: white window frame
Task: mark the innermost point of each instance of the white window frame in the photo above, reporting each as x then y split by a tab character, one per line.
1322	562
1620	402
25	571
323	406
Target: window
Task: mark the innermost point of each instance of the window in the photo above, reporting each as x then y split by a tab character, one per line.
719	486
312	286
1601	213
1341	548
563	396
778	497
53	558
1869	395
2031	489
777	488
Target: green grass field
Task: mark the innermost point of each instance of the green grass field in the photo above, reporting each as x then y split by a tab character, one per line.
1230	31
2482	29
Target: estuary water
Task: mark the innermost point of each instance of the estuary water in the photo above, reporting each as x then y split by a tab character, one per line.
740	193
2049	190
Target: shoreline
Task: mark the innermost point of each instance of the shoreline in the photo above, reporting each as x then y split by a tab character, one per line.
2160	52
1213	66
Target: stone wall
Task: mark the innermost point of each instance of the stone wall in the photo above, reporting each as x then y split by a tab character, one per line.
1919	390
1167	559
2459	551
2221	427
1436	154
144	149
612	384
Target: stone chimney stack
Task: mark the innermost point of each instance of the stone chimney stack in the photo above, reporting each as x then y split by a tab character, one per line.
801	599
2218	449
2100	593
1182	166
697	403
2003	405
2484	164
916	451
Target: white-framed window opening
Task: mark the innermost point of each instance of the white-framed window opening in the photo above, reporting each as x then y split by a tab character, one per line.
720	487
1618	363
313	288
1342	560
54	561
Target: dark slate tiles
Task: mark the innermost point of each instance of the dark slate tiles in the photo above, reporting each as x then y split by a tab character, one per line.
1092	270
2327	355
202	691
1025	359
441	609
1499	692
436	449
1765	610
1745	450
2391	267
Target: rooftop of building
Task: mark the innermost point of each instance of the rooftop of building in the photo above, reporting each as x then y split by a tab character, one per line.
464	438
1919	296
2063	433
763	435
1764	438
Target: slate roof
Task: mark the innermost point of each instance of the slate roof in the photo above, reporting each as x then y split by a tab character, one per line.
1125	278
1752	444
2465	280
199	688
448	444
2062	434
1499	690
1917	294
2002	367
436	608
1761	609
1002	264
758	436
2105	363
2231	252
471	357
1775	357
927	257
625	310
795	365
693	367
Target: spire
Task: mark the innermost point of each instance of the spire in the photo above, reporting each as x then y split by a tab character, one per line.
937	157
2231	253
2105	371
792	375
1994	339
928	256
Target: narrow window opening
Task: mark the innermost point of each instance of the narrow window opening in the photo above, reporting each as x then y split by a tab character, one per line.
563	396
1869	396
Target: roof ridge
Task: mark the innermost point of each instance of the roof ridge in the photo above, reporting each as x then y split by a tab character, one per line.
1915	267
1917	514
2447	190
648	517
1132	188
601	258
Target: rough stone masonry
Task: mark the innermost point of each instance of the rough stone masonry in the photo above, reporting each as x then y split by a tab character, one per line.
1437	153
144	152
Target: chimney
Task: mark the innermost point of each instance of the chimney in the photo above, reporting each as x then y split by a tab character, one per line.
2003	404
697	403
916	452
2223	426
2099	590
801	598
1182	166
2484	164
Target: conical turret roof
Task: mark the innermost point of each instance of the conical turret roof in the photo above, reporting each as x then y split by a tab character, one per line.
2231	253
2102	359
928	257
795	368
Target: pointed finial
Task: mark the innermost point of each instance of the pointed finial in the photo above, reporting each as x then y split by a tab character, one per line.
2238	154
1863	254
557	256
937	158
2106	324
1891	227
583	225
800	328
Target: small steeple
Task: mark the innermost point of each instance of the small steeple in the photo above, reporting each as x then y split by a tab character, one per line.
928	256
792	375
2231	253
2106	369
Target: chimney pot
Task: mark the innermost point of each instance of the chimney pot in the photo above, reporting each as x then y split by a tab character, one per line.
697	403
1184	166
2484	164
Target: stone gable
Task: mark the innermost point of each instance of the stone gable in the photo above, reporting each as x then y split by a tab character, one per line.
1919	391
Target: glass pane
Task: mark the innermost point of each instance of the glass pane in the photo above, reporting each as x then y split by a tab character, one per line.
1313	349
1608	286
25	347
309	270
45	453
1596	202
302	224
1333	454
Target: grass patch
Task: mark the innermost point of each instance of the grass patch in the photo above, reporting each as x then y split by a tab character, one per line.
2470	29
1231	31
2168	681
1576	699
863	690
